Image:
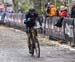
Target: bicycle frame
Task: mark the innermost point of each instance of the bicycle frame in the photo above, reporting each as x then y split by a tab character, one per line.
34	41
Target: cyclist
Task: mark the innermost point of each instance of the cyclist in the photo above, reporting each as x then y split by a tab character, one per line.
30	22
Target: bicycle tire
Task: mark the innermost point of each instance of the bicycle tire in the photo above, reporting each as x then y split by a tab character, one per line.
32	47
37	48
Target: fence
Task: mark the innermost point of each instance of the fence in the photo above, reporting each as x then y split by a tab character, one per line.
66	32
14	20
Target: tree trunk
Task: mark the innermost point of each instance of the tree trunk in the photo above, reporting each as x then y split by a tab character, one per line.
15	5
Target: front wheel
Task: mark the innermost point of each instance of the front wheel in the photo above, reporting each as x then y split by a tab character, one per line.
37	48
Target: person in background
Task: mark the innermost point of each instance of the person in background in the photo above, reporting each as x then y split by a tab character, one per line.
73	12
63	11
51	16
47	9
52	11
2	16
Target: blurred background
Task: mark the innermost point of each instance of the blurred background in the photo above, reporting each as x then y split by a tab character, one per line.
23	5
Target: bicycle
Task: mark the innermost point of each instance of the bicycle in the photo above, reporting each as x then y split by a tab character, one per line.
34	43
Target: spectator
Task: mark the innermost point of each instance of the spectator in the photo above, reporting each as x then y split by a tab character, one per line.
47	8
63	11
73	12
2	14
52	13
52	10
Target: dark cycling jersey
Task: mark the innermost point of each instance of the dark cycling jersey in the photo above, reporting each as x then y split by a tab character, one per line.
30	19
